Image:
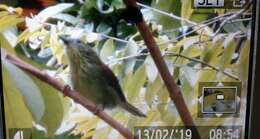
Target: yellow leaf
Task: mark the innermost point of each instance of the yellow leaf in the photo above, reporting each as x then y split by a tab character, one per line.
58	50
16	114
24	36
9	21
102	133
6	8
152	116
3	7
186	10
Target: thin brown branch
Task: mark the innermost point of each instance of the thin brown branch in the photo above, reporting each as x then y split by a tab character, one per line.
204	64
230	75
228	19
76	96
174	91
171	15
208	22
228	16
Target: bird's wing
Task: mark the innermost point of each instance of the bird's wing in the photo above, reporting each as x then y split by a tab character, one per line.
112	81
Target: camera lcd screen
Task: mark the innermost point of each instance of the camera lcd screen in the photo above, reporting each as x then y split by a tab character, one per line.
57	55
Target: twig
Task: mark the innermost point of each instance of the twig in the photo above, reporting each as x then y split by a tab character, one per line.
174	91
100	34
203	63
187	33
167	14
240	20
113	38
171	15
200	26
179	55
204	25
213	20
231	17
127	57
76	96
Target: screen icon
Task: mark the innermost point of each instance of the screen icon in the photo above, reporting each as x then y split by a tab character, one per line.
227	4
208	3
219	99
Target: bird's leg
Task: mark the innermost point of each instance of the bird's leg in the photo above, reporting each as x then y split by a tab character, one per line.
99	107
66	90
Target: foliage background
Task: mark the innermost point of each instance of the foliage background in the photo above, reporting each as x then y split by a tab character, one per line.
196	46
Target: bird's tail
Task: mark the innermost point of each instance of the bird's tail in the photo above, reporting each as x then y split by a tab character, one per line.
133	110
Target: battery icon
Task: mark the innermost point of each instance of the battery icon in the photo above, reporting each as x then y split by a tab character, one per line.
220	97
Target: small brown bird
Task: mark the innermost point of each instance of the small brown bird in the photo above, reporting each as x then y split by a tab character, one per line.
93	79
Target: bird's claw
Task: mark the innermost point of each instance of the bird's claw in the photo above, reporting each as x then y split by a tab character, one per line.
66	90
98	108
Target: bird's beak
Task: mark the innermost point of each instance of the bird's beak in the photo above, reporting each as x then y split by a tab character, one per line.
65	39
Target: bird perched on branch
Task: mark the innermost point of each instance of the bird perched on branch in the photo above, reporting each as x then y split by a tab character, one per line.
93	79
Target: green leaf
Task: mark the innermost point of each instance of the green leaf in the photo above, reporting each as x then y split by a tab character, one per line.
24	36
188	91
57	49
199	17
234	27
10	36
190	41
104	7
107	50
135	83
163	97
6	44
30	92
186	10
190	75
36	134
191	51
16	113
151	69
243	62
89	27
103	28
9	21
171	6
131	49
53	10
86	11
188	81
229	50
206	76
151	117
66	17
171	113
118	4
3	13
54	110
102	133
152	89
211	53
